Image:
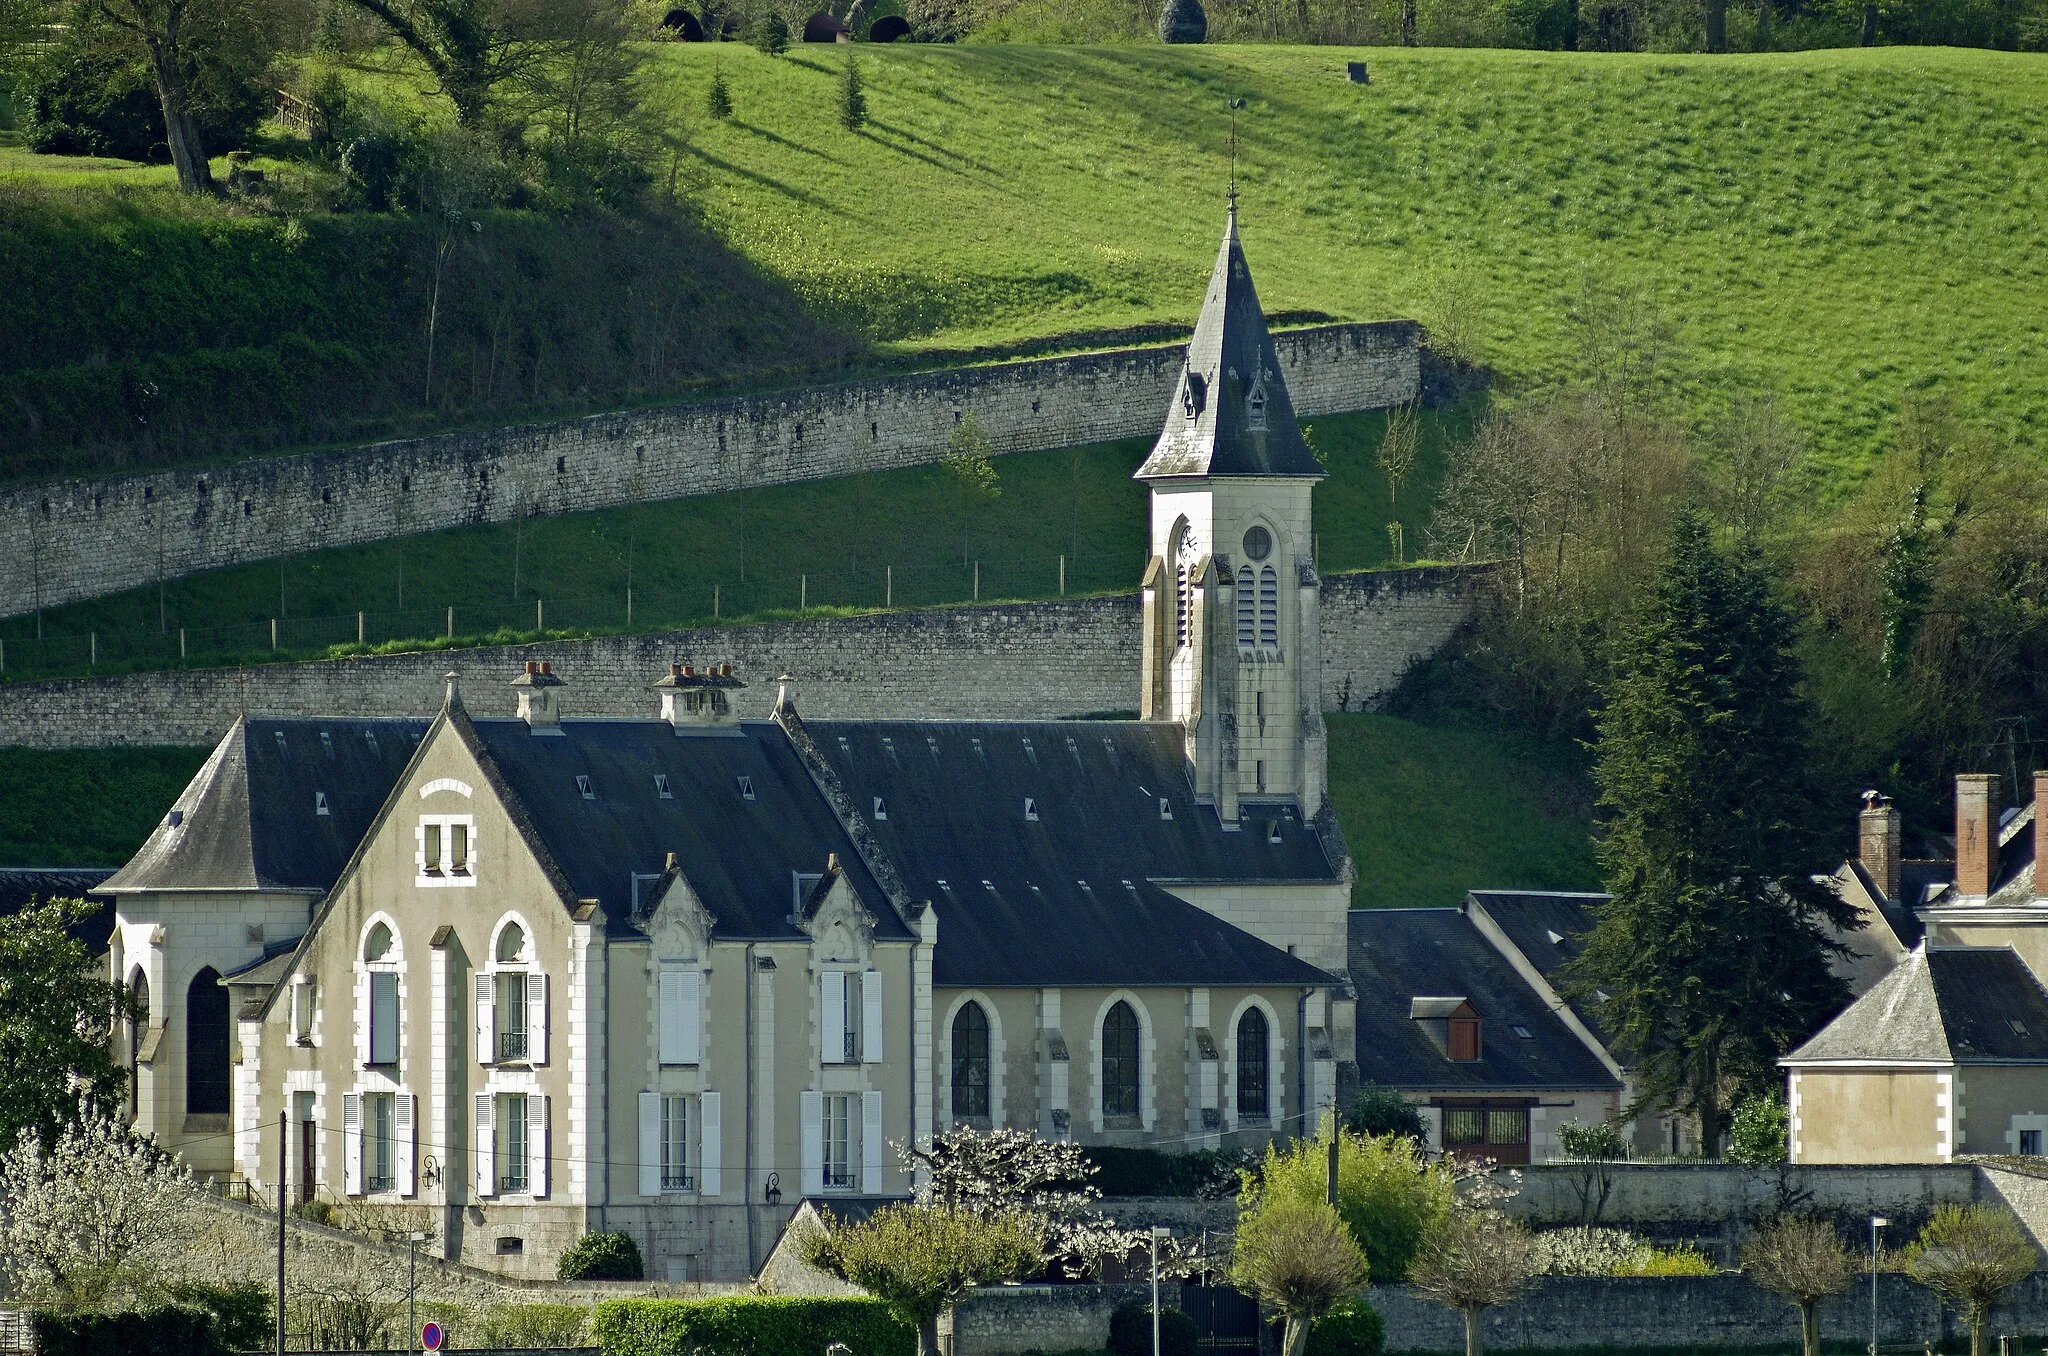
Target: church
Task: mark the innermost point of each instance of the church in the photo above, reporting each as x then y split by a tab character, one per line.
540	976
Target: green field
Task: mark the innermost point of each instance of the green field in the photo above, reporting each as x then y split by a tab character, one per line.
1843	227
1429	812
904	537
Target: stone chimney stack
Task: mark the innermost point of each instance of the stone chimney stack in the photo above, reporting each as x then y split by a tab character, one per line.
2040	834
1878	845
539	705
1976	833
695	700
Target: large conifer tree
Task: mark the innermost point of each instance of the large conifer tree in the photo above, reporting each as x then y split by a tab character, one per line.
1712	955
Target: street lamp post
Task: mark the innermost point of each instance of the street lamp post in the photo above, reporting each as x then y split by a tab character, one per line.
1876	1222
412	1288
1158	1232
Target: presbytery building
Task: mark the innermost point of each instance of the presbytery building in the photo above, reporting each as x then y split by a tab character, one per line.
544	975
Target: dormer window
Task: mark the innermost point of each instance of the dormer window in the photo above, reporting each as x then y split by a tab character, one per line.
1255	402
1194	395
661	786
1451	1024
1165	808
319	802
746	788
584	788
1464	1036
446	853
881	809
1030	810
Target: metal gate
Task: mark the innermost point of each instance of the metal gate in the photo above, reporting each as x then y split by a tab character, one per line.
1226	1320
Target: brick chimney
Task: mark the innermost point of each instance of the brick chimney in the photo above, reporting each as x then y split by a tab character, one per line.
1976	833
2040	834
1878	843
694	699
539	706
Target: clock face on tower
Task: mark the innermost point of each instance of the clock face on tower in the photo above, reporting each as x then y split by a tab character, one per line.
1258	544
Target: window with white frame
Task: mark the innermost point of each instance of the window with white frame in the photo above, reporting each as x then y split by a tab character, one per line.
513	1147
512	1002
849	1016
302	1010
675	1142
839	1141
377	1012
446	850
380	1156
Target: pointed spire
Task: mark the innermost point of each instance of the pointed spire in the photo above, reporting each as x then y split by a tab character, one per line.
1231	414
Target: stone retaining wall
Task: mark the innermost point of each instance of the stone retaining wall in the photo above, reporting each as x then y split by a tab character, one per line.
81	538
1020	661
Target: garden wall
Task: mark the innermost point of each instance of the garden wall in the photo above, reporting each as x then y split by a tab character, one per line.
1020	661
80	538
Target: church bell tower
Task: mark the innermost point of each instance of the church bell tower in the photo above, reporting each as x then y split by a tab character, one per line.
1231	640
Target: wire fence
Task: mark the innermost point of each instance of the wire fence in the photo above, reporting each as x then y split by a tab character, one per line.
187	639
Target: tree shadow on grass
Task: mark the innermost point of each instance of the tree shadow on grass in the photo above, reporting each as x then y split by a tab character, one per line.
934	146
779	140
803	196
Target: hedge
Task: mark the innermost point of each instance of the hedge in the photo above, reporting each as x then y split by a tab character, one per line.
154	1332
749	1326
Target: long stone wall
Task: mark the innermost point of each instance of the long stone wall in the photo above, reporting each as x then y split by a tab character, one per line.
81	538
1018	661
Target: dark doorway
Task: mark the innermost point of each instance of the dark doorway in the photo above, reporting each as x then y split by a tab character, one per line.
206	1046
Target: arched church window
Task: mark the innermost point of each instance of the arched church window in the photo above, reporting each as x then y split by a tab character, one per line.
207	1056
1269	608
1247	608
1254	1065
138	1030
1186	557
1120	1061
377	946
970	1062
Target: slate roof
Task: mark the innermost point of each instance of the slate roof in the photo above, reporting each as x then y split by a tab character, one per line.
1546	927
740	856
1398	955
1075	895
248	820
1942	1004
1210	429
21	886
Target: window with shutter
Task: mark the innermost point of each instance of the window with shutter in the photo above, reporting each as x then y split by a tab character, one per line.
811	1117
832	1026
352	1143
675	1143
486	1145
537	1145
710	1145
871	1017
509	994
512	1143
537	1018
840	1118
383	1017
406	1149
681	1016
650	1144
871	1141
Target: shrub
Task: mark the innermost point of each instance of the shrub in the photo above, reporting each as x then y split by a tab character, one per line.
602	1257
1591	1143
1353	1328
853	101
1382	1111
244	1316
1388	1196
749	1324
91	104
534	1325
1130	1331
1684	1260
154	1332
719	102
1756	1135
1586	1251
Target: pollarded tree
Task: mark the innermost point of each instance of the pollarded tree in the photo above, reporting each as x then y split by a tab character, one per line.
95	1213
919	1259
1803	1260
1476	1259
1709	959
1970	1255
1298	1256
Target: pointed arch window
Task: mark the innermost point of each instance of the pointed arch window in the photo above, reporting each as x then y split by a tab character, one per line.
1247	608
1186	557
207	1055
1269	608
1254	1066
138	1031
970	1063
1120	1061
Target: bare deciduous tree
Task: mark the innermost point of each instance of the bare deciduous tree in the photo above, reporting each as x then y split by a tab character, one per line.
1299	1257
1970	1255
1803	1260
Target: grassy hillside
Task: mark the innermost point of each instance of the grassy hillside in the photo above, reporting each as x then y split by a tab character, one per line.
1431	812
859	541
1840	226
86	807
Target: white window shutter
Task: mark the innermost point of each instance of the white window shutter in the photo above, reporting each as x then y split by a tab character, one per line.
811	1106
671	1015
486	1019
406	1123
650	1144
537	1144
710	1146
832	1017
871	1142
871	1017
352	1143
486	1146
362	1019
691	1051
537	1018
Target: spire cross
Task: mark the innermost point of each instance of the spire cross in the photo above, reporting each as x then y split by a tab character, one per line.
1235	105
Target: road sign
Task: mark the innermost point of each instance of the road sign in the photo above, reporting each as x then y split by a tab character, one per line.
432	1336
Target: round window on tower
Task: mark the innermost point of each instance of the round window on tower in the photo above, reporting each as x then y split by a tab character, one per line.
1258	543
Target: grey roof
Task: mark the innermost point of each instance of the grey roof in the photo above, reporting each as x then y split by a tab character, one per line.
250	818
741	857
21	886
1966	1005
1546	926
1074	895
1212	428
1398	955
